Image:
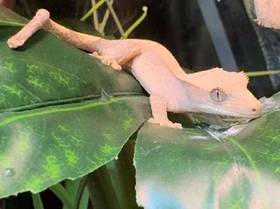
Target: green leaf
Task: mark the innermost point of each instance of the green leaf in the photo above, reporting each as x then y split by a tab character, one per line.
191	169
42	147
37	201
63	195
112	185
78	192
62	113
10	18
47	71
84	202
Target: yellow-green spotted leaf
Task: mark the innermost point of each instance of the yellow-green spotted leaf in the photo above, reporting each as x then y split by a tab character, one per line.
41	147
190	168
48	71
63	114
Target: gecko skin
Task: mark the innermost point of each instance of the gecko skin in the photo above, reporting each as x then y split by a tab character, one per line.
212	91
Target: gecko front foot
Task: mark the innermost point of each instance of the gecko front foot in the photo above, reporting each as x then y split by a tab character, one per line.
166	123
107	61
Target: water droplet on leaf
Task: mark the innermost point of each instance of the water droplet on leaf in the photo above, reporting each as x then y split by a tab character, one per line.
9	172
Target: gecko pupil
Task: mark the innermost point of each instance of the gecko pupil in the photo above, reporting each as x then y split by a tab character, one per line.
217	95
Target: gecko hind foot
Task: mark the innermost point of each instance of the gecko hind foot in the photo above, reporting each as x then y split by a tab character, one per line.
166	123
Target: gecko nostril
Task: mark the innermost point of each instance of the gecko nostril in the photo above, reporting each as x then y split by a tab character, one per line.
254	109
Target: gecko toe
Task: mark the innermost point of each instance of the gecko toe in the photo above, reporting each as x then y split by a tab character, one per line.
168	124
116	66
177	125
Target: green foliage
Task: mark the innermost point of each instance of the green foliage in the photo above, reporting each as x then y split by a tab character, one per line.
55	104
63	115
192	167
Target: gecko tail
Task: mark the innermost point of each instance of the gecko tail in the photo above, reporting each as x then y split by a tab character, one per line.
42	20
36	23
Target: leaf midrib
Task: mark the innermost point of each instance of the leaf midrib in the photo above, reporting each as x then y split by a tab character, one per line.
66	101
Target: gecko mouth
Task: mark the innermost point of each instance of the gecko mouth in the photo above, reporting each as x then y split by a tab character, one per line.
239	119
240	115
234	117
218	120
227	118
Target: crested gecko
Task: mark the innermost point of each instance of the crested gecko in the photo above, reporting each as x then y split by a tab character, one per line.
212	91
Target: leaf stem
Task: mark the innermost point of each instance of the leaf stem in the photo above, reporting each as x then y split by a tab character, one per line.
115	17
136	23
262	73
95	16
37	201
84	200
92	10
80	191
62	194
105	19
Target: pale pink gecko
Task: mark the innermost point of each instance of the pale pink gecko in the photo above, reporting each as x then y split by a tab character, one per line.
170	88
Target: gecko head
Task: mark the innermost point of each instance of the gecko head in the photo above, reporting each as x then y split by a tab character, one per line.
220	92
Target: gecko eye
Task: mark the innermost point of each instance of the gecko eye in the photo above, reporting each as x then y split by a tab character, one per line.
217	95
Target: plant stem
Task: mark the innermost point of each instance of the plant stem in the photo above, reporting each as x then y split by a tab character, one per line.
62	194
136	23
95	16
92	10
115	17
84	200
37	201
80	191
105	19
262	73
